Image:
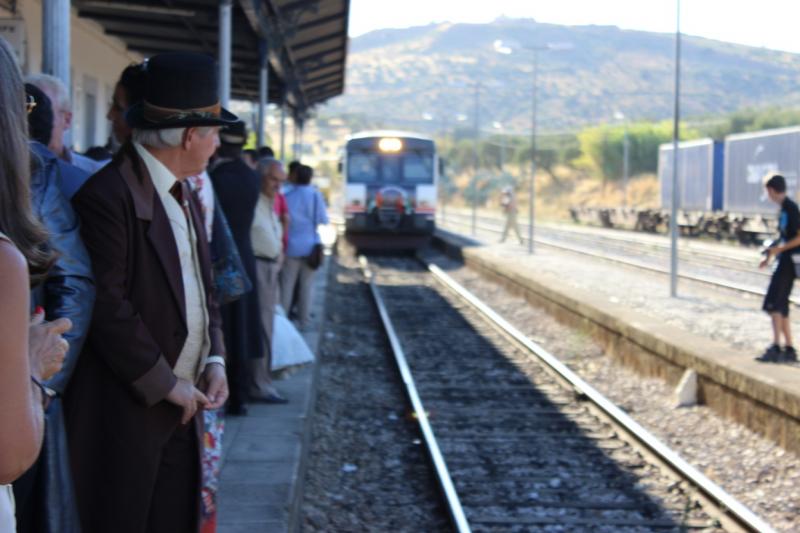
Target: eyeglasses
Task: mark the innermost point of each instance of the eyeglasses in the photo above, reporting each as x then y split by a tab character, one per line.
30	104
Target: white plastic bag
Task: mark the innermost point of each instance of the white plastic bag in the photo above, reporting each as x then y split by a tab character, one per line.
288	346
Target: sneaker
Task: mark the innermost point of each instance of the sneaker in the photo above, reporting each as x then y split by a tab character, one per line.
789	355
771	355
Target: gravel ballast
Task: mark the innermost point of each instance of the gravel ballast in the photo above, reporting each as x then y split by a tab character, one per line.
756	471
367	470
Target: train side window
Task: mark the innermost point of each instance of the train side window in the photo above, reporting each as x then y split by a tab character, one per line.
362	168
418	168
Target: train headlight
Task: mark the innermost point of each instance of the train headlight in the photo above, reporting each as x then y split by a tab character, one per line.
390	144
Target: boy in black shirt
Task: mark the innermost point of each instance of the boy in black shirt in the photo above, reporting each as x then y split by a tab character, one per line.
776	302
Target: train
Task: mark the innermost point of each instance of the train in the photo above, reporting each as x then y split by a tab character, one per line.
390	189
720	187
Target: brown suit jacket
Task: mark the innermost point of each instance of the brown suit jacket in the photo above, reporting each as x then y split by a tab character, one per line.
117	417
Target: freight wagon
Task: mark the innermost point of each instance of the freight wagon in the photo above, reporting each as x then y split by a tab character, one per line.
700	175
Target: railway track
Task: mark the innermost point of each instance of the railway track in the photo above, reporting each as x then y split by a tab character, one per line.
745	281
518	441
652	245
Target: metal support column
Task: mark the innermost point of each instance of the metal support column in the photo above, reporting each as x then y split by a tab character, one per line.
225	46
300	141
283	127
294	140
56	45
263	86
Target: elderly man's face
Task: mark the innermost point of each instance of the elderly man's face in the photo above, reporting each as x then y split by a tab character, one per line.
62	119
272	178
199	144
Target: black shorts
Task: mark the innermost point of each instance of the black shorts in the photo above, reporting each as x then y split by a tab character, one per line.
780	287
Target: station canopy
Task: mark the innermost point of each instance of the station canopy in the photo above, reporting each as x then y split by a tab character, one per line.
307	40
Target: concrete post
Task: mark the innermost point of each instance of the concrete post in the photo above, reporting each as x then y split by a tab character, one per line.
225	46
56	45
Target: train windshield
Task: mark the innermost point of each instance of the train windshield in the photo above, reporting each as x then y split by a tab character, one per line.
370	167
363	167
418	167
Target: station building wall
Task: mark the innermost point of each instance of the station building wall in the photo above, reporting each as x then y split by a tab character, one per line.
97	61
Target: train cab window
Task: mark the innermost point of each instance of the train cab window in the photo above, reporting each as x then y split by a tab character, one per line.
418	168
390	168
362	168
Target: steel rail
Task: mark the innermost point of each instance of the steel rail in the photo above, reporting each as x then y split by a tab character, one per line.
726	503
456	511
706	280
702	258
618	237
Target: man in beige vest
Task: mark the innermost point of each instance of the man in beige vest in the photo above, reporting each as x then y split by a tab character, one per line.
266	236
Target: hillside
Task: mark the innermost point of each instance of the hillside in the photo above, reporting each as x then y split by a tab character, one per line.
396	76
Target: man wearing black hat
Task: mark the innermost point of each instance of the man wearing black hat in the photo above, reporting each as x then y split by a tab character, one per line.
154	356
237	187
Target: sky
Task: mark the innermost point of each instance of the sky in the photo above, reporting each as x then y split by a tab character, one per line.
765	23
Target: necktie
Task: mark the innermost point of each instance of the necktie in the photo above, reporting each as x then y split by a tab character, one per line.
180	192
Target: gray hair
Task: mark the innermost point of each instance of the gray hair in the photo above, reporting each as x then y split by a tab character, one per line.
51	84
265	164
166	138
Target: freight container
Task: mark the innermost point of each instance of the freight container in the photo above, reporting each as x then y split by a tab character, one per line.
700	180
749	157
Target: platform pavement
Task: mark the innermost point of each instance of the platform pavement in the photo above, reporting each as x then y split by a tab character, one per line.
597	297
264	453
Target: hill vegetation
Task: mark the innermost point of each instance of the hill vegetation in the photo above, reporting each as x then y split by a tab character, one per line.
425	78
440	78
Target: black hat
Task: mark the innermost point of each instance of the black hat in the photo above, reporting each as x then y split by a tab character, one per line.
235	133
181	92
40	114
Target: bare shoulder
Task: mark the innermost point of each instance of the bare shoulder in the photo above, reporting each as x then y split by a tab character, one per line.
13	267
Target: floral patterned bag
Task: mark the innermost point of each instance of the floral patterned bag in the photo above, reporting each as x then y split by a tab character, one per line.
212	456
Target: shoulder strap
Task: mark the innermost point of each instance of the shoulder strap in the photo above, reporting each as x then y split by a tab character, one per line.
314	216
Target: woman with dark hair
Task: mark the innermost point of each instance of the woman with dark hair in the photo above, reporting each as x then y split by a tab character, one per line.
306	213
128	91
30	351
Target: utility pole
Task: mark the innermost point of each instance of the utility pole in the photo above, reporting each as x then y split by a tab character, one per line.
625	164
673	218
532	180
477	156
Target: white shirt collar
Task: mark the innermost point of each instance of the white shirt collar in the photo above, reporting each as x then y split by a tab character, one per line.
163	178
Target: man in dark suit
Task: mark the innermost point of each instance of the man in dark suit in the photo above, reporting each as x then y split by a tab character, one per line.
154	356
237	187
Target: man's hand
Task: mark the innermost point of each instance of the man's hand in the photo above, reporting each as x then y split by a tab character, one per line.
769	254
46	346
216	385
186	396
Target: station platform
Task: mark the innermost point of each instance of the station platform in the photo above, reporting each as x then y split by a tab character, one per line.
264	453
716	333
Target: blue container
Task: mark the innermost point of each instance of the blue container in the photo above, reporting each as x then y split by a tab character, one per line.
751	156
700	175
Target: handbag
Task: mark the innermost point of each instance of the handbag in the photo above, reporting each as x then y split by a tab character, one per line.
314	259
229	276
